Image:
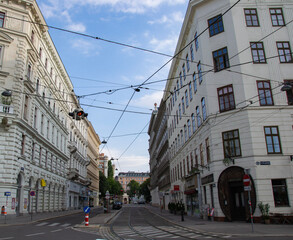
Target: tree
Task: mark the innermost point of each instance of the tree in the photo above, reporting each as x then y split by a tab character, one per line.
103	184
133	188
114	187
145	191
110	170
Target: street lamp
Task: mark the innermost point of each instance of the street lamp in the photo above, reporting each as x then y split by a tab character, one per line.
104	142
287	87
6	97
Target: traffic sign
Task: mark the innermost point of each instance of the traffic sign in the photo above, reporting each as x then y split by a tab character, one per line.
246	180
86	209
32	193
7	194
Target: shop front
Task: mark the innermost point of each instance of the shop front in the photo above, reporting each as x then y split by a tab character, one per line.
191	196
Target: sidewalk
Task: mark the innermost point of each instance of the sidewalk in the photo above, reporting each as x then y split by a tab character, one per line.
231	228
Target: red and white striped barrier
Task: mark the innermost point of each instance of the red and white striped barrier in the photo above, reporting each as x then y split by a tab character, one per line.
86	219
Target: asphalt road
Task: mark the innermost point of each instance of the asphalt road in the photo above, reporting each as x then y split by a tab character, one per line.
58	229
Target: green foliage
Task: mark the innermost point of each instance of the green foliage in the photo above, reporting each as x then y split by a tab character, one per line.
264	209
110	170
145	191
103	184
109	184
133	188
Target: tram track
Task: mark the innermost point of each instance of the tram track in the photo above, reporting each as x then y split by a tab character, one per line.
140	226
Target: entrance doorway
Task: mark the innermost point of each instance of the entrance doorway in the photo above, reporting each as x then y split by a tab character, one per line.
237	201
19	196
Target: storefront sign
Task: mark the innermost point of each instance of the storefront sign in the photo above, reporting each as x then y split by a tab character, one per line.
207	179
176	188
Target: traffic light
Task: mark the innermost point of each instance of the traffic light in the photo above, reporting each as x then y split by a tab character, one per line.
78	114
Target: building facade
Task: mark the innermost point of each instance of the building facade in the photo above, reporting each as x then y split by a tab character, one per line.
125	177
93	168
230	111
40	143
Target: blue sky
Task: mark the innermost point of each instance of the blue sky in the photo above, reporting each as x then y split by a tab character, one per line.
97	66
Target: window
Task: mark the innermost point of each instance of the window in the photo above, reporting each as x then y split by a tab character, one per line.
2	18
284	51
198	117
196	41
193	122
37	85
33	151
258	52
277	17
35	118
194	83
190	91
187	62
180	75
33	36
216	25
189	128
186	99
203	107
42	124
231	144
174	93
185	133
251	17
265	93
40	52
226	98
40	159
280	192
191	52
181	137
178	87
179	106
48	129
289	92
201	154
272	139
46	63
25	109
51	72
184	72
221	60
191	160
187	163
199	72
183	107
208	151
195	158
29	71
22	144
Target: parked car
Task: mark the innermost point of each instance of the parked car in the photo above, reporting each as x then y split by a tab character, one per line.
117	205
141	201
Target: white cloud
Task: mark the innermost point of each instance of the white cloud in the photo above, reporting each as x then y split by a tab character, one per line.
175	17
79	27
164	45
85	47
148	100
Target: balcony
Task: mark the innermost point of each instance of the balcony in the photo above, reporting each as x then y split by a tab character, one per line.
73	174
6	109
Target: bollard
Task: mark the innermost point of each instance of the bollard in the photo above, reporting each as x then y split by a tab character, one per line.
86	219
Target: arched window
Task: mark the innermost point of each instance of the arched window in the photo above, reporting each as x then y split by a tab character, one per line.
198	118
203	106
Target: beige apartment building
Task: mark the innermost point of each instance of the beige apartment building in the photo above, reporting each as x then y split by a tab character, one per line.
93	147
125	177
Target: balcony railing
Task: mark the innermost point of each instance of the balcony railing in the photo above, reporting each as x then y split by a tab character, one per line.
6	109
73	173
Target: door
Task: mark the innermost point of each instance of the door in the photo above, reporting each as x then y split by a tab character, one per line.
237	201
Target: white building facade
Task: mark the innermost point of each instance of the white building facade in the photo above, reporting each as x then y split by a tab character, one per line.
35	128
227	114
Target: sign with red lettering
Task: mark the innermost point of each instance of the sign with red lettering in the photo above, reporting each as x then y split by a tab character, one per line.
176	187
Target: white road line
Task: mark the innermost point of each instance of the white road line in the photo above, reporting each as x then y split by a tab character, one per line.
6	238
34	234
53	224
58	230
42	224
65	225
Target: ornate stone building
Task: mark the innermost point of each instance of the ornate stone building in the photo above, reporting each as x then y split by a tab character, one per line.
39	141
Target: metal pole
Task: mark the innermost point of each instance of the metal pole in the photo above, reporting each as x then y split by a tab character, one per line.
250	208
32	208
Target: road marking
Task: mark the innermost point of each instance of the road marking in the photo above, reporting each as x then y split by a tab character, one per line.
58	230
53	224
42	224
34	234
65	225
6	238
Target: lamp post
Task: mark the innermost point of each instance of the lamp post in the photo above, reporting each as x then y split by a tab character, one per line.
6	97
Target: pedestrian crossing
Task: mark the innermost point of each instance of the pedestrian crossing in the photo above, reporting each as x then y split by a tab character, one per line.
50	224
164	232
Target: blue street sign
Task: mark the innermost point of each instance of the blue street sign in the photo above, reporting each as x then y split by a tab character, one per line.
86	209
7	194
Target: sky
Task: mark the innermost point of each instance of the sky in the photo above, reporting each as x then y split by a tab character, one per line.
105	73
